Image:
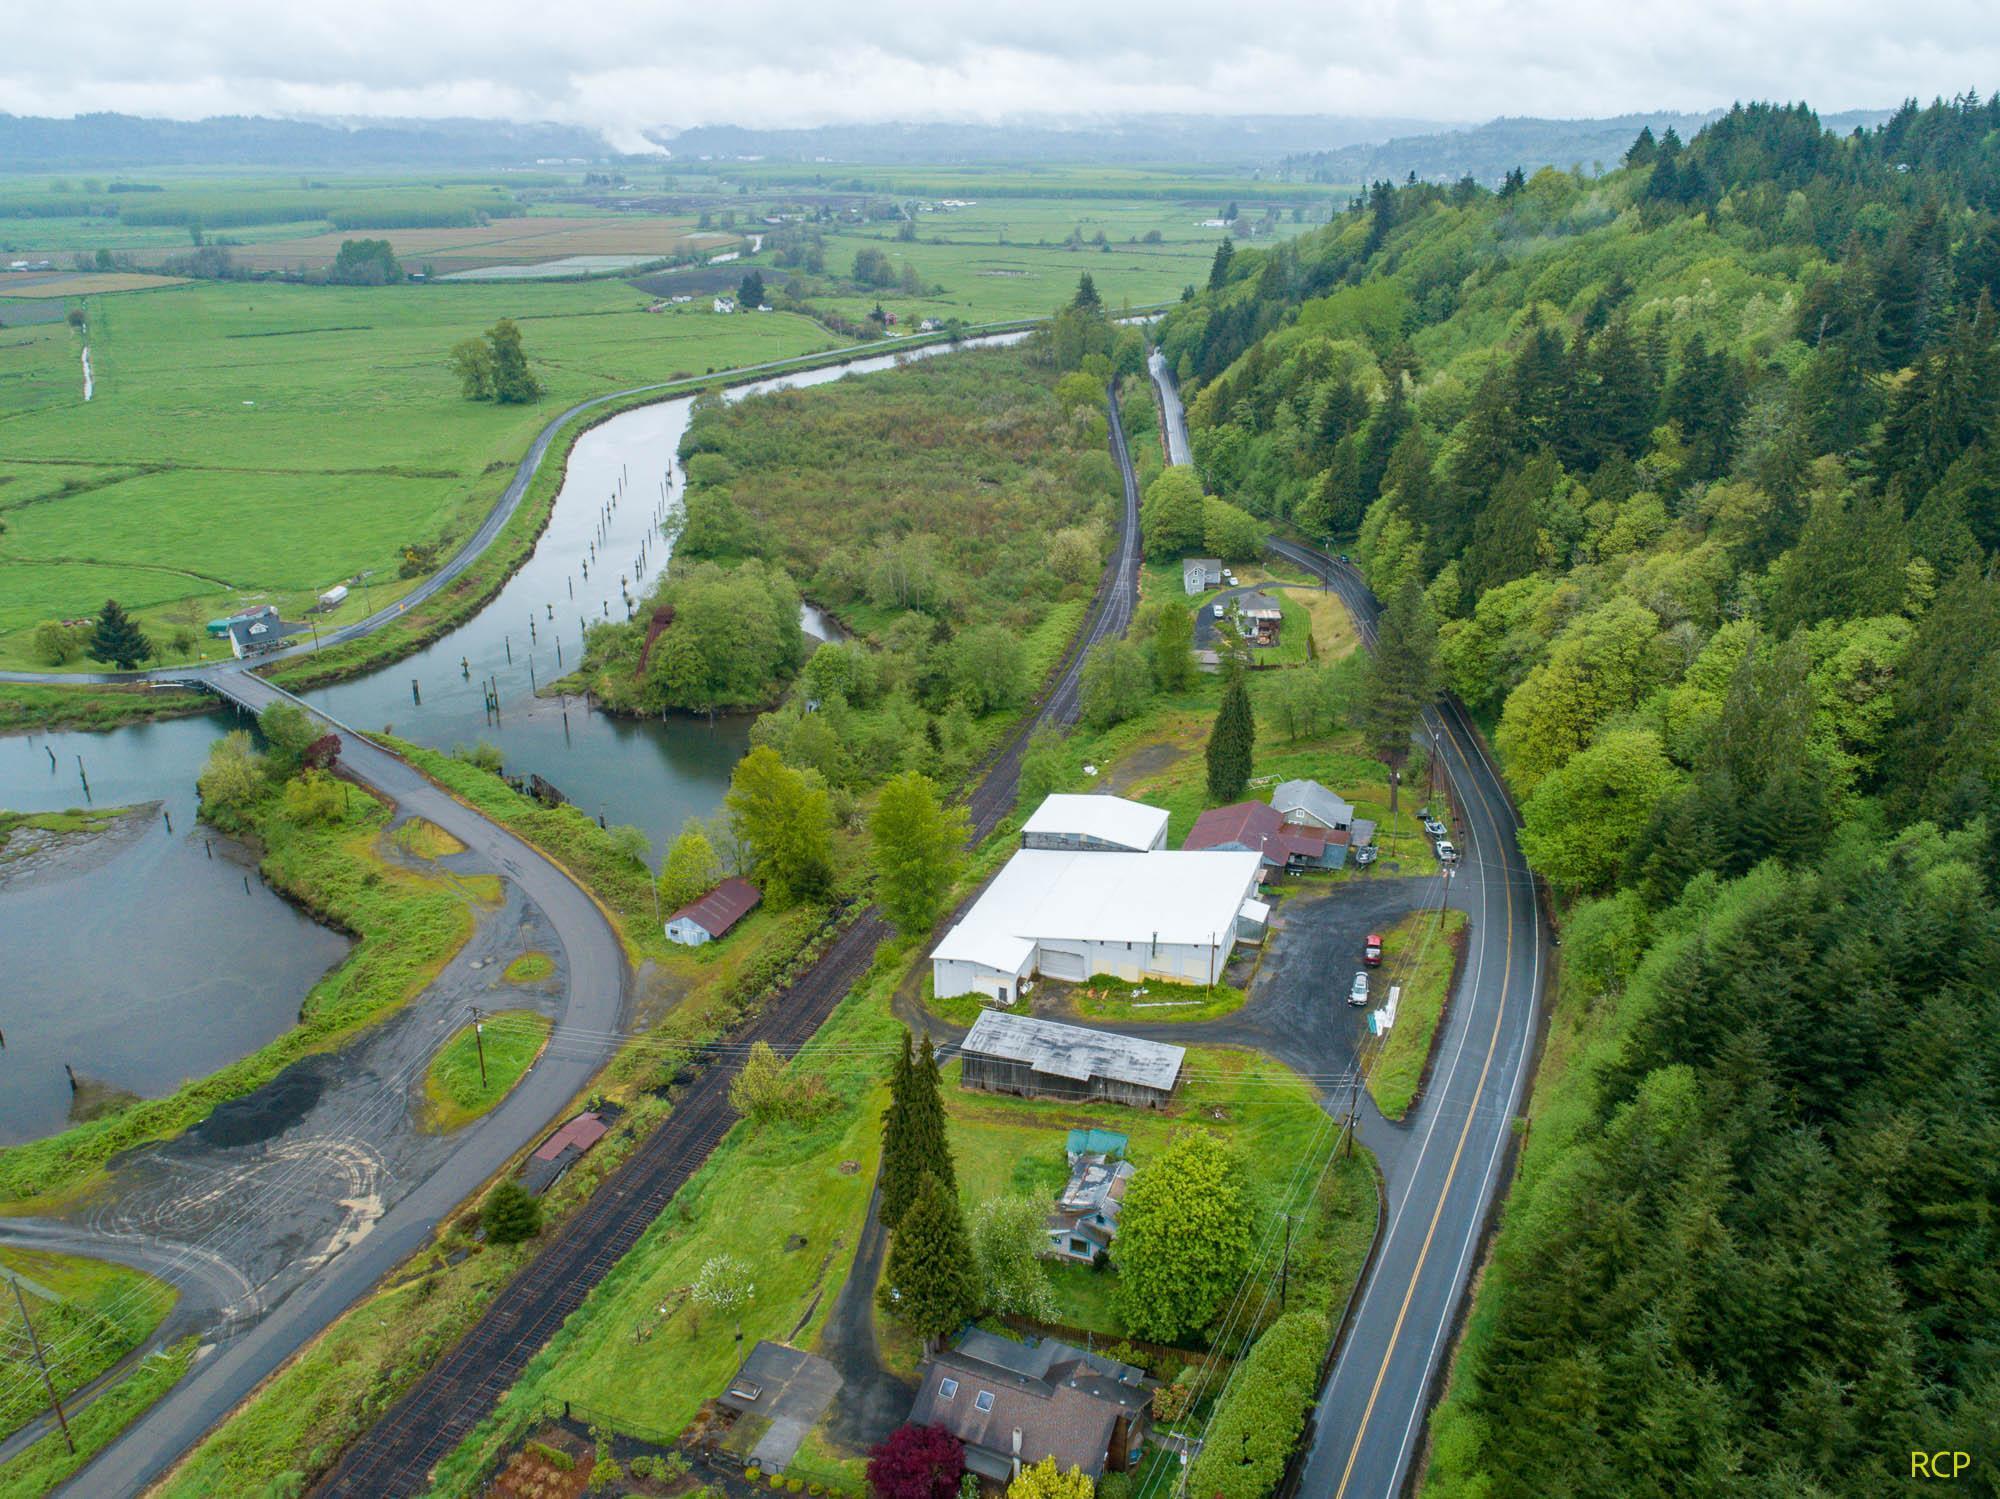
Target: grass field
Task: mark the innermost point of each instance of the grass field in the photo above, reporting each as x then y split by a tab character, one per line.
253	442
1420	953
101	1311
83	284
38	1469
530	968
458	1090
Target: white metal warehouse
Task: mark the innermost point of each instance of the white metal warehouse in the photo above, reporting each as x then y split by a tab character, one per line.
1108	824
1166	914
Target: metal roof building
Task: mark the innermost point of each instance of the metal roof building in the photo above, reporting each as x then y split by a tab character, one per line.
1106	823
1043	1058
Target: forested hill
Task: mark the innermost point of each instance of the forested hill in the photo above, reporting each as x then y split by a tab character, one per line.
1693	470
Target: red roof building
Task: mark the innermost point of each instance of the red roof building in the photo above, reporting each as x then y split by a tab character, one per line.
714	914
1257	828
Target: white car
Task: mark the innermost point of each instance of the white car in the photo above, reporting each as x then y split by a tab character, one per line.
1218	609
1229	578
1357	994
1447	854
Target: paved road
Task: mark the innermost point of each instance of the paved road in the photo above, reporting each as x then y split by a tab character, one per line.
1170	402
1444	1163
597	984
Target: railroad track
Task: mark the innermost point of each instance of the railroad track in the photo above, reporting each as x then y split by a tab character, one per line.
395	1456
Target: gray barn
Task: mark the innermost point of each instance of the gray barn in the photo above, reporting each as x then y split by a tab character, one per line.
1044	1059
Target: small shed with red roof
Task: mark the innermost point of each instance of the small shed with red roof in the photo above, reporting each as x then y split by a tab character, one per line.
714	914
562	1150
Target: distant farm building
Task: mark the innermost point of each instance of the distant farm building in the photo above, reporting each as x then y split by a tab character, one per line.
562	1150
254	634
714	914
1106	824
1072	914
1045	1059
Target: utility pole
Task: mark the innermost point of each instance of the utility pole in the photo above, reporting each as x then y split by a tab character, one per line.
43	1364
479	1040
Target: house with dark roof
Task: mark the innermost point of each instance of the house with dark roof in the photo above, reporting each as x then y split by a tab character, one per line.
1199	574
254	633
714	914
1258	828
1086	1217
1014	1404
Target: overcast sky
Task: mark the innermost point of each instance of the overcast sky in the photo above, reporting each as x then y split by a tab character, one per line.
623	65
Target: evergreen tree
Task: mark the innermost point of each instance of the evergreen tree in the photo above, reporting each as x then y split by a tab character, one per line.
900	1170
1218	270
118	641
1086	298
932	1283
750	292
1232	742
510	1213
1399	679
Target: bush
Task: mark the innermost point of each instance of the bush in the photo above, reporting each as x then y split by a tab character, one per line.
1251	1433
510	1214
555	1457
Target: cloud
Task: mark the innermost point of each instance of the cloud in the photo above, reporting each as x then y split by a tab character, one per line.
623	65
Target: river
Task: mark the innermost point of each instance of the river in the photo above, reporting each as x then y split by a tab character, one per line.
162	946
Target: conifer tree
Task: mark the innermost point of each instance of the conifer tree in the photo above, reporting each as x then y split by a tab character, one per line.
1399	679
118	640
899	1172
1231	742
926	1105
1086	298
1218	270
932	1284
510	1213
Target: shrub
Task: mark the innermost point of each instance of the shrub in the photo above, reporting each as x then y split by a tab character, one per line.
510	1214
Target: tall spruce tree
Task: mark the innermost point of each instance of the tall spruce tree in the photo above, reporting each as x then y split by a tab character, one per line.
118	640
933	1283
1231	742
900	1173
1399	679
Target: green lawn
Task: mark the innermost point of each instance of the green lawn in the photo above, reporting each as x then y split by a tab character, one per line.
458	1090
1107	998
1420	953
49	1461
530	968
102	1311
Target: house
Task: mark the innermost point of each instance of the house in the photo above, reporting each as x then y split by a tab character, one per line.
1014	1404
714	914
1262	618
1069	914
1311	804
1094	1141
1105	824
1086	1217
1257	827
930	325
254	633
562	1150
1033	1058
725	304
1199	574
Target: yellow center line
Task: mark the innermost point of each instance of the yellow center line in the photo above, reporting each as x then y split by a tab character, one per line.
1471	1113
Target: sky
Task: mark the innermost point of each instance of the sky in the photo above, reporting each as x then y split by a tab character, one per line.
626	65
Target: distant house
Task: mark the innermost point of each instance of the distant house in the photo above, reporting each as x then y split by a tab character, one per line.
725	304
255	633
681	299
1033	1058
1312	804
562	1150
1104	823
1199	574
1014	1404
1257	827
714	914
1086	1217
930	325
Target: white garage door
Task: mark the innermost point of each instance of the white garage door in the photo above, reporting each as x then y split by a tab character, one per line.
1063	965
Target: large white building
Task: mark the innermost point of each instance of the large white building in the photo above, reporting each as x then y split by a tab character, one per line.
1161	914
1103	823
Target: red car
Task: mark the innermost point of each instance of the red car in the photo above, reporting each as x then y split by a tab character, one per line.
1372	953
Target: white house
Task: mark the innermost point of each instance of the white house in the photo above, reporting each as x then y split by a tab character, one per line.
725	304
1103	823
1199	574
1069	914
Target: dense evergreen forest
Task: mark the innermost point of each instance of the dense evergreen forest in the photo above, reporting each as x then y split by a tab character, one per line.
1694	468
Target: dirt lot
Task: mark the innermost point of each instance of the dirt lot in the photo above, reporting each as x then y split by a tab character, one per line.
79	283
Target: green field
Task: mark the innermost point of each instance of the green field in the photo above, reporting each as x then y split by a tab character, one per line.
253	442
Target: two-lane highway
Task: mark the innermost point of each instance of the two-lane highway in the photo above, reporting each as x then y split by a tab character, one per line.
1444	1163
